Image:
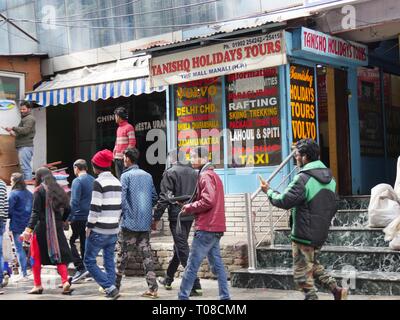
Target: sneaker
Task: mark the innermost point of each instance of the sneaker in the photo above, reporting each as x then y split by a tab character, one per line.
79	275
113	295
196	293
20	279
167	284
150	294
5	280
340	293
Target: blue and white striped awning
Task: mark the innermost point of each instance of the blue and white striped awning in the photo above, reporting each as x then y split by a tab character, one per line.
121	78
123	88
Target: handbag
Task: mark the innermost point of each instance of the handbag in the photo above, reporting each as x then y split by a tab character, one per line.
8	254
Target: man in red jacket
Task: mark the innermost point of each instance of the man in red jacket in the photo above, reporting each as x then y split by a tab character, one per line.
209	212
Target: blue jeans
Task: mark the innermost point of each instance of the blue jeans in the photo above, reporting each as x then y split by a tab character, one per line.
205	244
20	253
2	225
94	243
25	156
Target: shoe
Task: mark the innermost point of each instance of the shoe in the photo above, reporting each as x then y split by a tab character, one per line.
69	281
79	275
67	287
5	280
1	292
36	291
101	290
340	293
196	293
20	279
150	294
118	280
113	295
167	284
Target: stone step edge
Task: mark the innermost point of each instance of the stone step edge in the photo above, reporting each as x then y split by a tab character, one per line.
351	211
367	275
355	196
348	249
339	228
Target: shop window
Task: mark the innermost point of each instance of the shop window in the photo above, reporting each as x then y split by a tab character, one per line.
198	115
253	118
370	112
392	107
302	102
10	87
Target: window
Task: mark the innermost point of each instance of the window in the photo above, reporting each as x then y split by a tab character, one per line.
12	86
370	112
253	118
392	107
198	112
53	38
302	102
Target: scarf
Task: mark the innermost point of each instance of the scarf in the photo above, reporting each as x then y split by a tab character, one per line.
53	248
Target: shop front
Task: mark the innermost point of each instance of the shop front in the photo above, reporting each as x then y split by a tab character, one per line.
250	99
18	74
230	97
80	112
333	63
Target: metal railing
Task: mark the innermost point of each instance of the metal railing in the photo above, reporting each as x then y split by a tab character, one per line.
253	243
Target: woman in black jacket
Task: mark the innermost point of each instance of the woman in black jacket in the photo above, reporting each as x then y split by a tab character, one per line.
49	245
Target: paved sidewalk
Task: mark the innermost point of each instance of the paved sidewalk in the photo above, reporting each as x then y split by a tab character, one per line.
133	287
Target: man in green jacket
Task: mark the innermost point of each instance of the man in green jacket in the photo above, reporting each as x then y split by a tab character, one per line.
311	197
25	132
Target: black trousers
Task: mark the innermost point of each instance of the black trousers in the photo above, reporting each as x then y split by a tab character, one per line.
181	250
119	167
78	231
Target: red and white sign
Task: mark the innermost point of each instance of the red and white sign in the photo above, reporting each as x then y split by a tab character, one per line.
236	56
323	44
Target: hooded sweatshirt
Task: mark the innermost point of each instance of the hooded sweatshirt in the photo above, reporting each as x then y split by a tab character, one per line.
312	198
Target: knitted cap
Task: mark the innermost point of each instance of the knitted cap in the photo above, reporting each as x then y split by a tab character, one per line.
103	158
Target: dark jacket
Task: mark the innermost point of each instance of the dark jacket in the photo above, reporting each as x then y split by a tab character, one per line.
38	223
25	131
178	180
209	206
312	197
19	209
81	196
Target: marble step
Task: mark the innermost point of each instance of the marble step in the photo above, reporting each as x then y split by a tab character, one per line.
354	202
362	282
342	236
335	257
351	218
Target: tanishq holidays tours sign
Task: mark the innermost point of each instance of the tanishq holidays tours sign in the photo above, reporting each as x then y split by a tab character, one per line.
326	45
236	56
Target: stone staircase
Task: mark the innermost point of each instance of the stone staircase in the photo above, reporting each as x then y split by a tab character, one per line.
354	254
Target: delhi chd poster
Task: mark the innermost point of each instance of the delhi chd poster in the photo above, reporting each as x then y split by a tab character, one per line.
199	117
253	118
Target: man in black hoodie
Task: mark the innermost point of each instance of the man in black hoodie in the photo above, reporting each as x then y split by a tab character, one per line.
178	180
311	197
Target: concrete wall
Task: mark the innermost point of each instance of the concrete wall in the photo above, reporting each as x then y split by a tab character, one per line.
235	213
40	141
